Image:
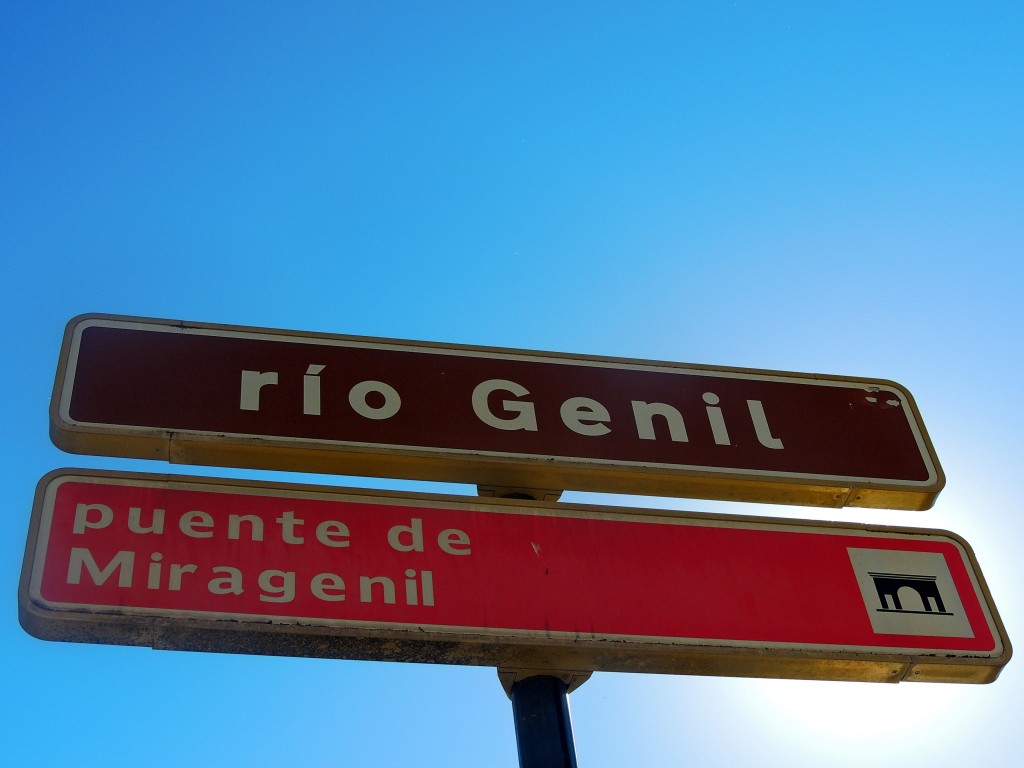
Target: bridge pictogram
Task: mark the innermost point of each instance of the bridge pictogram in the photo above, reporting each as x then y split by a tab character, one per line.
890	587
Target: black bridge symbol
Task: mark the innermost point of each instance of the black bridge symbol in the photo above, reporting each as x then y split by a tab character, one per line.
888	586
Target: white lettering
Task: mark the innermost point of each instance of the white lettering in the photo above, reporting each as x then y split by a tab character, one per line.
323	582
190	521
454	542
412	532
229	584
123	562
311	390
525	415
411	588
279	584
332	533
153	582
252	383
764	432
135	523
366	589
427	581
288	522
585	416
716	420
82	520
357	399
644	413
255	526
177	571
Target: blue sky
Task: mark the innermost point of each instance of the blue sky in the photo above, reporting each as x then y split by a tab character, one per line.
810	187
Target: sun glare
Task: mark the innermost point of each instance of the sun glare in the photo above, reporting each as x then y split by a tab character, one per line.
833	710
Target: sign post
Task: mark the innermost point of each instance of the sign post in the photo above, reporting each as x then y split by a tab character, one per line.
194	563
545	592
193	393
540	707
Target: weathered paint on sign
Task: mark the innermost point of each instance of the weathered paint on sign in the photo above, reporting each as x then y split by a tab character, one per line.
251	567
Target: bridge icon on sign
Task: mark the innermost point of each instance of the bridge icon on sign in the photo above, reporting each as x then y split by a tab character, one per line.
909	593
906	593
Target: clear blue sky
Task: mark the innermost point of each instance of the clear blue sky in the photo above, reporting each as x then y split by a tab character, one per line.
835	188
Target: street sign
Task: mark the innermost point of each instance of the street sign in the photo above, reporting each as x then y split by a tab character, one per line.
221	395
224	565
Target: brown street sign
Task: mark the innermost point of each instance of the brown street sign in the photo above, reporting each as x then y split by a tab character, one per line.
194	393
227	565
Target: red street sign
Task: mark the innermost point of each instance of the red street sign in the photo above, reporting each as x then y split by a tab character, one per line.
206	394
201	564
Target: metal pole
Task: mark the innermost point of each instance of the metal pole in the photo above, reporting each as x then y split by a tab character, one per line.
540	707
540	703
